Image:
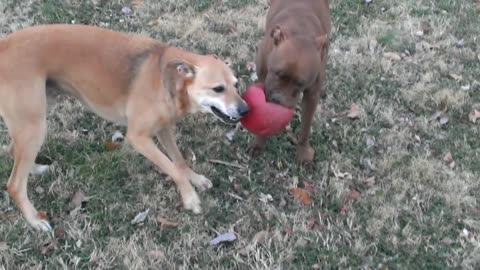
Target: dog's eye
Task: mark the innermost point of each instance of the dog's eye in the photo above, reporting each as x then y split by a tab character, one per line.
219	89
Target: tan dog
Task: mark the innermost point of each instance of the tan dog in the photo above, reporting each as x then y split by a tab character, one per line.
291	61
128	79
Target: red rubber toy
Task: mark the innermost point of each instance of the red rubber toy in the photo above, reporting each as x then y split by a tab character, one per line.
264	118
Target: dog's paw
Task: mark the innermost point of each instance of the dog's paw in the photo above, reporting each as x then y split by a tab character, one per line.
39	222
192	203
305	153
201	182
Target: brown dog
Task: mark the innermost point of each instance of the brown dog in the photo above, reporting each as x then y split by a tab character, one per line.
131	80
292	59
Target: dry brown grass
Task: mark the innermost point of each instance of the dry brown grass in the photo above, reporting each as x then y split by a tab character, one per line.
413	215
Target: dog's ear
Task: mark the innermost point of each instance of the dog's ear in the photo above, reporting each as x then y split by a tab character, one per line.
183	68
321	41
277	35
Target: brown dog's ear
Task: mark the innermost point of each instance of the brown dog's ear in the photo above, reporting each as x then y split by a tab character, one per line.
321	41
277	35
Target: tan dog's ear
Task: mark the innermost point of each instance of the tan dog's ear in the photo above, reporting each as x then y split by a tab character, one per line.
183	68
277	35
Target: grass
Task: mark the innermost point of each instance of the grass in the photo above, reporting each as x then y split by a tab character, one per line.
413	212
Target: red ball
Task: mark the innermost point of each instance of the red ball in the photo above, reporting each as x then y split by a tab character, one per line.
264	118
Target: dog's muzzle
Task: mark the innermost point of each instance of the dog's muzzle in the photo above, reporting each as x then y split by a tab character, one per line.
233	117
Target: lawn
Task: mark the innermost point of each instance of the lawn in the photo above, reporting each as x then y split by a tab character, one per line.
396	178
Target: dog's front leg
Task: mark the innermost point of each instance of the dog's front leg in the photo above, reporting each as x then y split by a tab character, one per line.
305	153
144	144
166	137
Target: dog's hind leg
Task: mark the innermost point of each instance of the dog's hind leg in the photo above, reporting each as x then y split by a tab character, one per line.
26	123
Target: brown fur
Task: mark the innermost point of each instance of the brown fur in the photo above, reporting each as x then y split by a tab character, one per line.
131	80
292	59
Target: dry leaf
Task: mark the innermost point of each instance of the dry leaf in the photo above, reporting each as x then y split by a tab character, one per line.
137	3
443	120
156	255
111	146
354	112
260	237
456	77
448	158
226	237
117	137
301	195
312	224
266	198
282	203
3	246
140	217
291	137
369	182
309	188
392	56
7	217
426	28
48	248
78	198
251	67
352	196
166	223
59	233
473	116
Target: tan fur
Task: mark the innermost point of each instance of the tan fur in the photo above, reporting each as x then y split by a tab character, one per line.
128	79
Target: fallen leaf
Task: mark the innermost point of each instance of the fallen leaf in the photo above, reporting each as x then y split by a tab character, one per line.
426	27
301	195
48	248
354	112
456	77
344	209
230	134
237	187
309	188
140	217
3	246
156	255
226	237
460	43
465	87
39	190
448	158
59	233
166	223
117	137
443	120
260	237
291	137
473	116
369	182
301	243
312	224
40	169
137	3
392	56
282	203
266	198
352	196
7	217
251	67
111	146
78	198
126	10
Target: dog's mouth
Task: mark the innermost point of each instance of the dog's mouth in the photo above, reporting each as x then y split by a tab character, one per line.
225	118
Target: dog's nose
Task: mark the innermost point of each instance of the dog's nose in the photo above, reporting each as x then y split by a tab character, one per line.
243	110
